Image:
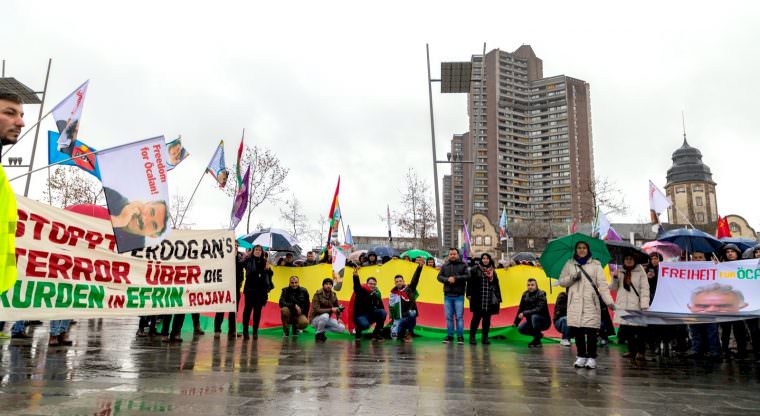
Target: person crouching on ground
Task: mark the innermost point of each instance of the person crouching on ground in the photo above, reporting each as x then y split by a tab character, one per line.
586	285
484	294
560	319
323	305
632	288
294	307
367	307
535	310
402	305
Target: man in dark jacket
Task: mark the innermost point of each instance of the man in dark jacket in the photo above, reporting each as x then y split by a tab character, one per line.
402	305
311	259
294	307
534	309
240	260
368	308
560	319
454	275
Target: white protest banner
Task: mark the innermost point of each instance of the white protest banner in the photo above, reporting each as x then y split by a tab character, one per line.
68	268
707	288
135	184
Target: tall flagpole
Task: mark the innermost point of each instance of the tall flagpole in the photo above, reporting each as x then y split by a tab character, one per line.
190	200
238	170
37	129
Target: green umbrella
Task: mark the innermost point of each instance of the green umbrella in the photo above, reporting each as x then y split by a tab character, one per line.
559	251
413	254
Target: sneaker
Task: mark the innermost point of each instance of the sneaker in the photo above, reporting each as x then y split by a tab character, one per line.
591	363
580	362
485	341
536	343
603	342
565	343
408	337
448	339
320	337
460	340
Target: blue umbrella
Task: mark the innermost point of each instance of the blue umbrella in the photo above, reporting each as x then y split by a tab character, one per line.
272	239
742	243
692	240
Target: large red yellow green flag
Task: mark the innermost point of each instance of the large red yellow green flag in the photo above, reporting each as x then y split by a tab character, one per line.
8	217
334	214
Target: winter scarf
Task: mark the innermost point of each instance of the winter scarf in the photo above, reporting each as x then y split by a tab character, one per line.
627	277
487	272
582	260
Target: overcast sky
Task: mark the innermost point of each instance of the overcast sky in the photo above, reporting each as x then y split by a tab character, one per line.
342	90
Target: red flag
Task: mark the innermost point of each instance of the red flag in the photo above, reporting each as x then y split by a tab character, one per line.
575	227
723	229
332	212
239	159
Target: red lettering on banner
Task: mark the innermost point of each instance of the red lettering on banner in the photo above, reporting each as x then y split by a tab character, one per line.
20	226
120	270
194	272
102	271
39	222
82	267
58	233
32	265
59	264
75	233
191	299
93	239
76	268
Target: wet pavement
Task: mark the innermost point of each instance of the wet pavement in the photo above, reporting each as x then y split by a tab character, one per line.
110	372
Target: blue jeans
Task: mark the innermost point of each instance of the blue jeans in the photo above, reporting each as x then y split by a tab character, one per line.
376	317
454	305
59	327
18	327
533	326
407	323
561	326
705	337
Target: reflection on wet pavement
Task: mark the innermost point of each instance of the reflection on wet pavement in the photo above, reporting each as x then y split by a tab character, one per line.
110	372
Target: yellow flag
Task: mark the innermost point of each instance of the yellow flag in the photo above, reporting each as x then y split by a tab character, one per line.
8	217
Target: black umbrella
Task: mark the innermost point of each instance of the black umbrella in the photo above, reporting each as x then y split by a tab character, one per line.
742	243
692	240
524	257
620	249
384	251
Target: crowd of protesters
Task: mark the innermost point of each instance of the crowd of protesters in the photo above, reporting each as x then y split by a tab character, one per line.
581	312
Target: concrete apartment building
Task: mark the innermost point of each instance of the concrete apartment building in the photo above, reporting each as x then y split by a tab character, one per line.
532	144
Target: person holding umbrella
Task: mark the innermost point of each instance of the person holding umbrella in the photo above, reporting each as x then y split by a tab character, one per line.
587	293
632	288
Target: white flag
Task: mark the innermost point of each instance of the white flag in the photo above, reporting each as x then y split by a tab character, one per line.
338	260
67	115
658	202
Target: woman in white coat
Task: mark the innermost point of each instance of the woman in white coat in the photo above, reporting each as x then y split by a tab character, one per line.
632	288
583	276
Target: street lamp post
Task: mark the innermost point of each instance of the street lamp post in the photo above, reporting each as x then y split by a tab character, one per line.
455	78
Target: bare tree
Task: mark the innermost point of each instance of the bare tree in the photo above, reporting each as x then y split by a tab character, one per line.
68	185
296	220
267	179
417	216
178	211
607	196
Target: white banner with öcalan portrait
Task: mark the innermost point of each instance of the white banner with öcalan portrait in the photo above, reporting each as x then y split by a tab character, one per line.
68	268
135	183
700	292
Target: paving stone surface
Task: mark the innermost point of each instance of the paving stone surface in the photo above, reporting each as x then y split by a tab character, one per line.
111	372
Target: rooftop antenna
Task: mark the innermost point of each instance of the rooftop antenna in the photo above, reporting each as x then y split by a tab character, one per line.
683	125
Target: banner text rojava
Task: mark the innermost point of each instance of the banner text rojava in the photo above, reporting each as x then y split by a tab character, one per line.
68	268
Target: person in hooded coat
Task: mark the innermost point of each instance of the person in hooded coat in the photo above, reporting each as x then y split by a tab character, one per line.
484	294
732	253
632	288
583	276
258	284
